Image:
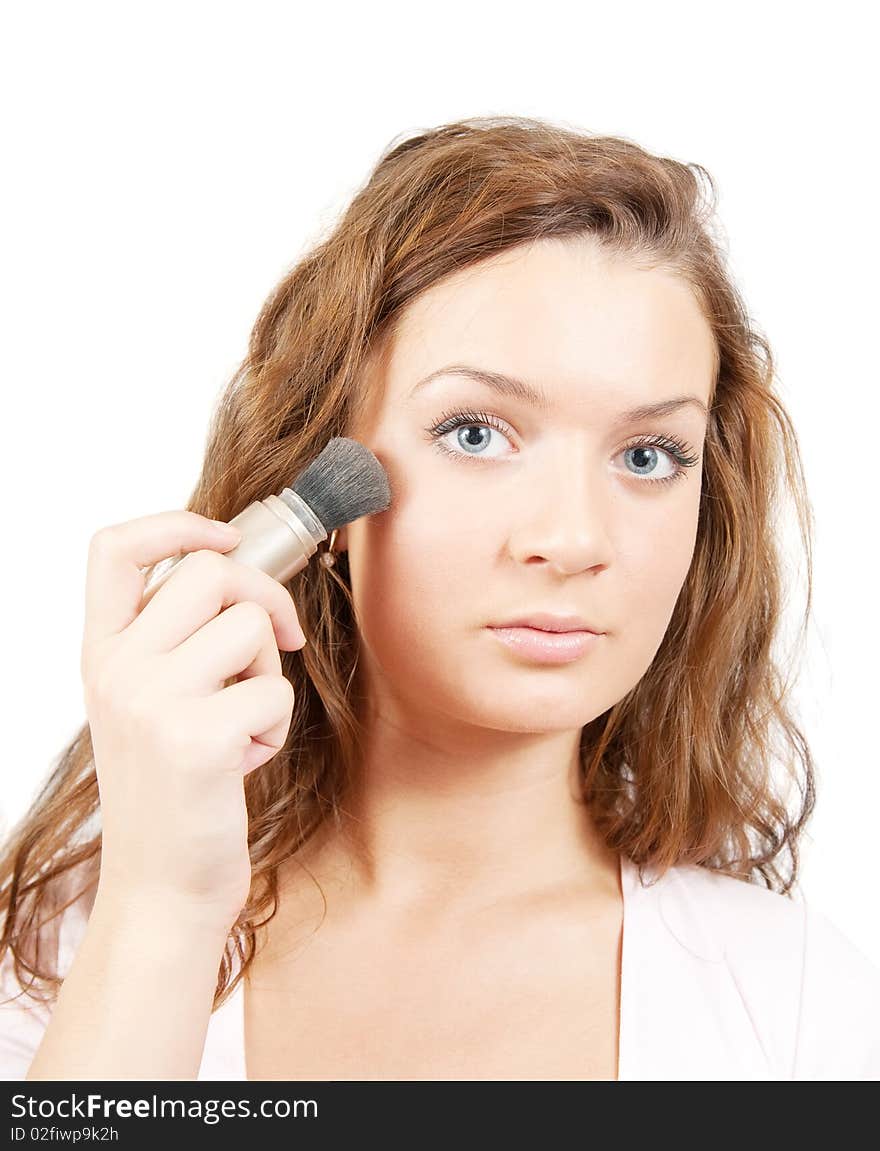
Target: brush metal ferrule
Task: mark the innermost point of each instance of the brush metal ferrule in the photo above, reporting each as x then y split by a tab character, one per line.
279	536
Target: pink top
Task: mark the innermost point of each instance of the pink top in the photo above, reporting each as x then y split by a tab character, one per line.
720	979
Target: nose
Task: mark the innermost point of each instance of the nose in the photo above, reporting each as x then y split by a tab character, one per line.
561	518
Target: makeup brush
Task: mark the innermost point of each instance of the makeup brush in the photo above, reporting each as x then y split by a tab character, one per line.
281	533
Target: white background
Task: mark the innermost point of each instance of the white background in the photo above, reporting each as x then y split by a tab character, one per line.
166	163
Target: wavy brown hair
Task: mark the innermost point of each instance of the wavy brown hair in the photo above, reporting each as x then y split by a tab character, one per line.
702	762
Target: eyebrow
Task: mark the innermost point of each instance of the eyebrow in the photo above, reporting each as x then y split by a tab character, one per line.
506	385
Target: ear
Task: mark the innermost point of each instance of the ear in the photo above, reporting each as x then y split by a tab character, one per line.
341	539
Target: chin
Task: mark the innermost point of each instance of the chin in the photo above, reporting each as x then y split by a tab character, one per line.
525	708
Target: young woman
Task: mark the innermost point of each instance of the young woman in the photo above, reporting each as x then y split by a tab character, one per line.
431	841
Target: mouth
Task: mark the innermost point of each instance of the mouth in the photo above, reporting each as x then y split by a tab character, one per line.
538	645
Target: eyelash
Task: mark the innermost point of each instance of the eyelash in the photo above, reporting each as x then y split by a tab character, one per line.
680	451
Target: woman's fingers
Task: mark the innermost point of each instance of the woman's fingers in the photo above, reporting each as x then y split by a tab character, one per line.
117	553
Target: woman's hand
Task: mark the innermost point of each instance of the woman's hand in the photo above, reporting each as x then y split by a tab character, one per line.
172	744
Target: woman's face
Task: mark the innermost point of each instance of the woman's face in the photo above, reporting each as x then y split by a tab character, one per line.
523	508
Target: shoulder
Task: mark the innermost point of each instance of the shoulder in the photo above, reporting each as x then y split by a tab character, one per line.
713	915
840	1005
798	974
24	1018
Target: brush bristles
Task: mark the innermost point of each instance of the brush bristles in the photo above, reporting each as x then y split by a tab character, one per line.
343	483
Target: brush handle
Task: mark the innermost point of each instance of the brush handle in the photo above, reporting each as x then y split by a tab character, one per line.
273	538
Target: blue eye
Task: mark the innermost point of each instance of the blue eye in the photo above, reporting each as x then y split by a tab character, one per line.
477	433
474	432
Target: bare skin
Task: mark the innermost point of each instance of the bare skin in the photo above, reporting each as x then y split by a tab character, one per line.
473	926
524	986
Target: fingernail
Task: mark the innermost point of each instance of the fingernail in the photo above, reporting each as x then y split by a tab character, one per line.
227	529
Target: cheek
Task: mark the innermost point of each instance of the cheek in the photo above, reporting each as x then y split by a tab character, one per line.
410	572
441	526
653	565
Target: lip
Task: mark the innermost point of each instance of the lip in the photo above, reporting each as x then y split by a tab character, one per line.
550	621
547	647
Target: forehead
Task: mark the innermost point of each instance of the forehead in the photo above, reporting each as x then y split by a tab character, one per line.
579	323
